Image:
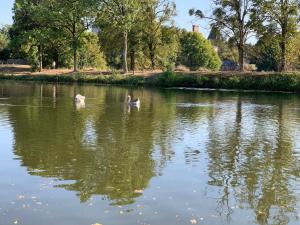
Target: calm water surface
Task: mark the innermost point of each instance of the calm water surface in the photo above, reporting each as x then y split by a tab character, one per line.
185	157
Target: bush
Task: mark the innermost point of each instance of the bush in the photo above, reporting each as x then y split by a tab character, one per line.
196	52
168	79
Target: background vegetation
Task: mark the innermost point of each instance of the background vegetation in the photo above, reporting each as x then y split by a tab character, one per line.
141	35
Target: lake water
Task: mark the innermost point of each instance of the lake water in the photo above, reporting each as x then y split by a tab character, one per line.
185	157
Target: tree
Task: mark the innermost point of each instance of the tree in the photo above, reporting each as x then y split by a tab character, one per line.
232	17
27	33
293	52
196	52
281	14
4	39
226	50
167	53
71	17
155	13
32	36
4	42
90	54
265	54
121	14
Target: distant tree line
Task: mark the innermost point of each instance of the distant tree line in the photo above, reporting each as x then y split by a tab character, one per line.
274	22
141	35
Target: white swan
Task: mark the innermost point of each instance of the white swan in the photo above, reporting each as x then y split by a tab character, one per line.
79	98
135	102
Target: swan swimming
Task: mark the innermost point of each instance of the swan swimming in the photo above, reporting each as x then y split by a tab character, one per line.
79	98
135	102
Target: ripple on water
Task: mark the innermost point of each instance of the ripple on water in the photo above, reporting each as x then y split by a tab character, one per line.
4	120
191	105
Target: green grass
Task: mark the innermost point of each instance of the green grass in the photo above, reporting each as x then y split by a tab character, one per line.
269	82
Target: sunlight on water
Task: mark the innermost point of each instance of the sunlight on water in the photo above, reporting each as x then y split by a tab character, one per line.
183	157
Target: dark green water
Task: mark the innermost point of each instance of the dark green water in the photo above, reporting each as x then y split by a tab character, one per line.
186	157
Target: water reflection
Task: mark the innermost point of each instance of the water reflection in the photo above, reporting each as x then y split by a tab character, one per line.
252	160
79	105
247	143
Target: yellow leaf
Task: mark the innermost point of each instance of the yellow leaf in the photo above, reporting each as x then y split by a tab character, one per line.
193	221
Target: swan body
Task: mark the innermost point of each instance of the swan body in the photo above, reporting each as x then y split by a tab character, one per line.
79	99
135	102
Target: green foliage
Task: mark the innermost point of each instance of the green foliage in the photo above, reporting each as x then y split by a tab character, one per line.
55	30
29	49
150	43
268	82
198	52
266	52
155	14
168	51
168	79
280	16
233	19
4	43
90	54
121	15
4	40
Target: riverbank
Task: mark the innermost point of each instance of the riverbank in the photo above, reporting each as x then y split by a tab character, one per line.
245	81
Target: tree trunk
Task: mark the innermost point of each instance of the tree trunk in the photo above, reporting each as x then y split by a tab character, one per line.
284	27
56	59
74	43
283	66
41	58
152	55
241	58
125	65
132	61
75	56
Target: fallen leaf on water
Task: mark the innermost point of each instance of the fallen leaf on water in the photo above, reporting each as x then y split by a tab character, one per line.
21	197
16	222
260	212
193	221
138	191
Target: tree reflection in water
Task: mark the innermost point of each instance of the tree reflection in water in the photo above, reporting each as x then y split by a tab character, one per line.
104	149
252	159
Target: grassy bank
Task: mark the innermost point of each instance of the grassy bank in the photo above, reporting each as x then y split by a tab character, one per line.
269	82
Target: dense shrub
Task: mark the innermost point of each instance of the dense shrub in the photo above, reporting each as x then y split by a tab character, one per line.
196	52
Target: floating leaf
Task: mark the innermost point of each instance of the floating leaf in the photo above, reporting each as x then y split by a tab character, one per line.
193	221
138	191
